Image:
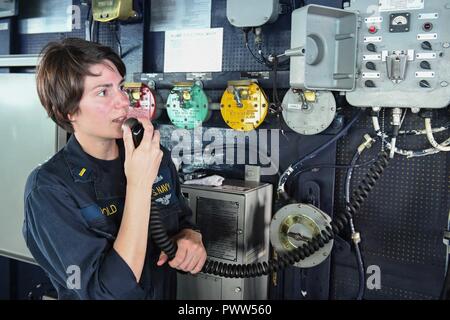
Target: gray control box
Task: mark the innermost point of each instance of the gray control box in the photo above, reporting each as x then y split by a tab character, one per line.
323	42
252	13
234	220
403	54
401	57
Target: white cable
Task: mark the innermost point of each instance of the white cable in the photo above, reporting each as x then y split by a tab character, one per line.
393	148
406	153
416	132
433	142
397	121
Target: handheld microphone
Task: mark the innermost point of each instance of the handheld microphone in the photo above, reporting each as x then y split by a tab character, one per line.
137	130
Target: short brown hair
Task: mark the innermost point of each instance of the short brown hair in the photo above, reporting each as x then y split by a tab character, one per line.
61	72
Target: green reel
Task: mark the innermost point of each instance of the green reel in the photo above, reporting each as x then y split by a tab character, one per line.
187	105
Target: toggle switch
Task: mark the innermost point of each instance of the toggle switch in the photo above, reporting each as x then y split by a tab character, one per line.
425	65
371	47
369	84
371	66
424	84
426	45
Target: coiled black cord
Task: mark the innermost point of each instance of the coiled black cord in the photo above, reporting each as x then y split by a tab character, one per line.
159	233
227	270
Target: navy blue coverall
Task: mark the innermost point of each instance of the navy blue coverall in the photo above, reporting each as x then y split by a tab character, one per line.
73	209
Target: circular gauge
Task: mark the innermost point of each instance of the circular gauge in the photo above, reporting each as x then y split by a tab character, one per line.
400	21
244	106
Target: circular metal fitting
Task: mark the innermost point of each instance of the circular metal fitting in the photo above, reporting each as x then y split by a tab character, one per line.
294	225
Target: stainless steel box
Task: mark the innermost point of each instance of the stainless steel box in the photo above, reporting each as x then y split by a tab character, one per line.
234	220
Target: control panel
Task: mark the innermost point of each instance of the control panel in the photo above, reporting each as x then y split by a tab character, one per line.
403	54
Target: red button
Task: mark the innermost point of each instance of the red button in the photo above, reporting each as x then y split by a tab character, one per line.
372	29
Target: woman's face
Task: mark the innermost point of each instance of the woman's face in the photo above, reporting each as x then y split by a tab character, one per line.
104	105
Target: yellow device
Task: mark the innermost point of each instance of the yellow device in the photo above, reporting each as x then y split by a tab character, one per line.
244	105
108	10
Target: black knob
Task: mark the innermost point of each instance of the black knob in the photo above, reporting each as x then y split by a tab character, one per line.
371	66
425	65
369	84
371	47
426	45
424	84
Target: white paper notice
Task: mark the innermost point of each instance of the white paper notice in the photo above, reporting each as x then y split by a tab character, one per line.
195	50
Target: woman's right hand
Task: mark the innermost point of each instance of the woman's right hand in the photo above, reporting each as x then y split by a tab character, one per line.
142	163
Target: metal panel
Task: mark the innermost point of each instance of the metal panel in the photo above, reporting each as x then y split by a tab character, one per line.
325	39
28	138
237	232
408	39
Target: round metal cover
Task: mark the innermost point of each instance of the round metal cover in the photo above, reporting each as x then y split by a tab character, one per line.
187	106
244	106
308	112
294	225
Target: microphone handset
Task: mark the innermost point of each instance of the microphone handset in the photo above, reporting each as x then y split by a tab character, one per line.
157	230
137	130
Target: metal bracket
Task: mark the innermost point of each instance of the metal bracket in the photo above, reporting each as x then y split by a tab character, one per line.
396	66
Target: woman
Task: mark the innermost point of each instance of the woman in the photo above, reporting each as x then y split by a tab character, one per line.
87	209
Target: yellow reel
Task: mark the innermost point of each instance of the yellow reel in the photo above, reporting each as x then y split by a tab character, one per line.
244	105
108	10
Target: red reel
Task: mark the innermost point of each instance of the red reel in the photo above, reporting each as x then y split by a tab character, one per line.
142	100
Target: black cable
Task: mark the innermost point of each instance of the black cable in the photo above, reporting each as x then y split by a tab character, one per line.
263	61
246	30
254	56
159	233
258	269
337	225
270	63
362	278
276	99
359	259
296	166
331	166
445	292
